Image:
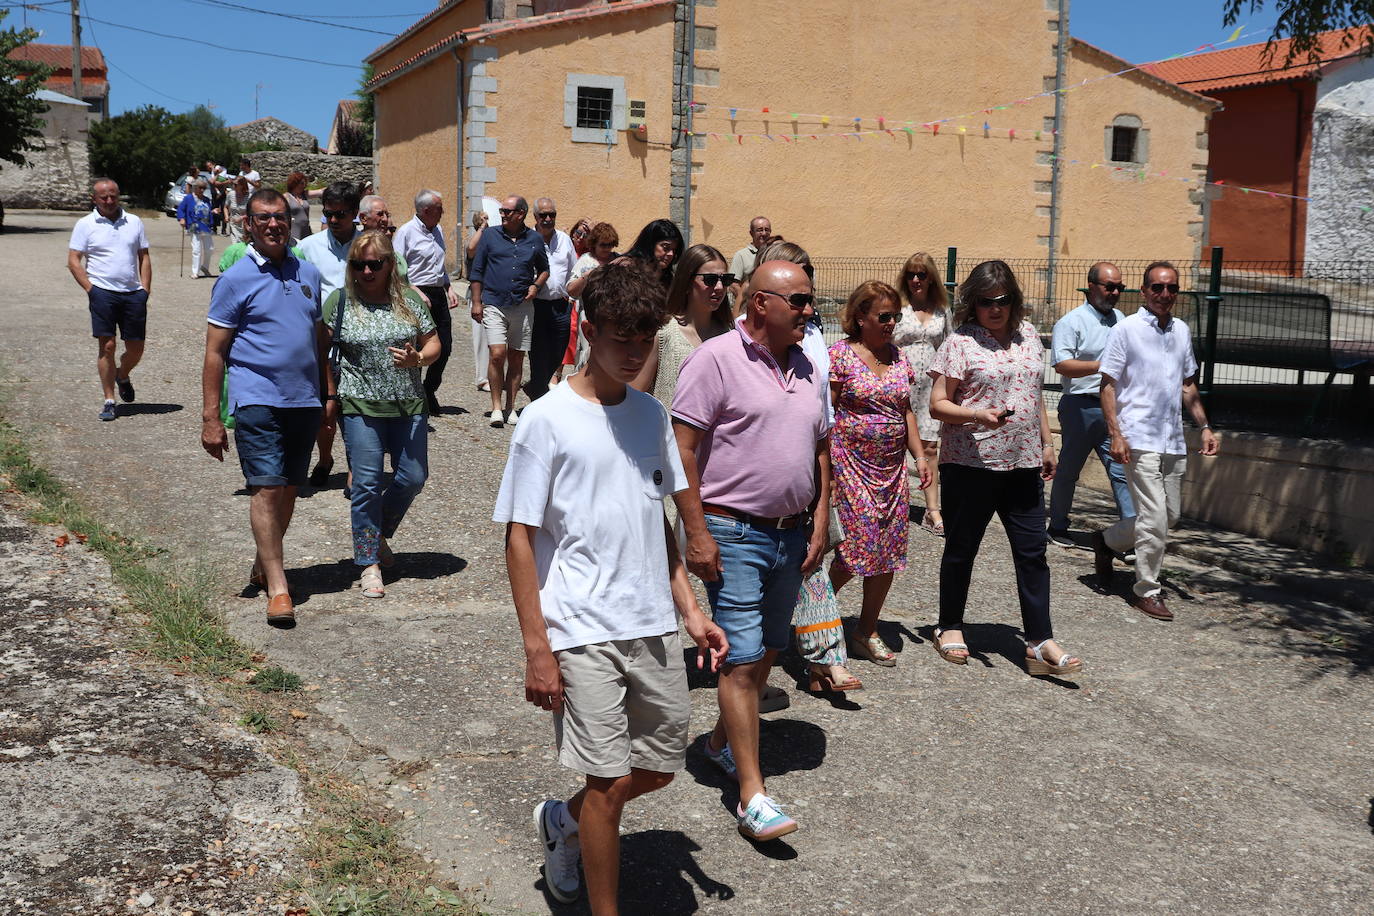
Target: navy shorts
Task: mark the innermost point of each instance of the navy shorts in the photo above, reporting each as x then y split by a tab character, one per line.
274	443
125	312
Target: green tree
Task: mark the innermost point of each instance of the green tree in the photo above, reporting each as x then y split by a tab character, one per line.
1304	20
366	114
142	149
20	121
210	138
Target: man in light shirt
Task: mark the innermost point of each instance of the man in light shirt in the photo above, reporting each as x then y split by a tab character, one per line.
420	242
742	264
1148	365
552	308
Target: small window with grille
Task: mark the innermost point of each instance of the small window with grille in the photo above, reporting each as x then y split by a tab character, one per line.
594	106
1124	143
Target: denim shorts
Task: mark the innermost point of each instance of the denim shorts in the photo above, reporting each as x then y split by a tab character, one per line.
274	443
125	312
759	583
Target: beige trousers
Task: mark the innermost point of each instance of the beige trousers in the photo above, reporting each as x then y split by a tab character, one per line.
1155	481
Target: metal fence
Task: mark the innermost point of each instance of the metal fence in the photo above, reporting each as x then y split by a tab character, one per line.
1285	348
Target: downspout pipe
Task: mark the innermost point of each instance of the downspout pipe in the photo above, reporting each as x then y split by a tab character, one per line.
691	63
1061	52
461	235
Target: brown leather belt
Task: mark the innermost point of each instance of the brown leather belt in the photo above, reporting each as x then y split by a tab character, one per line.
786	521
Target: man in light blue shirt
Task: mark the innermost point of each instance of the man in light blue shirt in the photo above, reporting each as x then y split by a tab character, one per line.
1076	347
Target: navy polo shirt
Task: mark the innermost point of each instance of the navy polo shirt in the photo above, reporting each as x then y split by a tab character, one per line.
506	267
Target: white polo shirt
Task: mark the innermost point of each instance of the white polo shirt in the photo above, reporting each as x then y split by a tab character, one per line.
423	251
1149	365
111	248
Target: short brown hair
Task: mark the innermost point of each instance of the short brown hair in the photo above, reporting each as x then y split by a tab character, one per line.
294	179
603	234
936	297
626	298
861	303
983	279
1155	265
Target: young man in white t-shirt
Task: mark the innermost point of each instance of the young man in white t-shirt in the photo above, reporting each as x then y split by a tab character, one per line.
595	583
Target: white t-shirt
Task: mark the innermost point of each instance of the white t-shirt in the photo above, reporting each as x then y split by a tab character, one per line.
254	179
111	248
1150	365
592	479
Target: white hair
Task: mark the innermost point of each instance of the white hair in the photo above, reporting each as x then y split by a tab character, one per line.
426	198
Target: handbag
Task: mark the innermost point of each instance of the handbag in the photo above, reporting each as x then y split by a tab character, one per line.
816	620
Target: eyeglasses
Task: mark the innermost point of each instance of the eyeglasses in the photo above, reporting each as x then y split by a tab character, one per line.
262	219
797	301
338	214
549	215
886	317
579	234
1157	288
987	302
917	275
710	280
361	264
1111	287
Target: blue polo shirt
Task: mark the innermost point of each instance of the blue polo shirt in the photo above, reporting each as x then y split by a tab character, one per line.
506	267
1082	334
274	311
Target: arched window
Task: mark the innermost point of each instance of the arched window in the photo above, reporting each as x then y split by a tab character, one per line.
1127	140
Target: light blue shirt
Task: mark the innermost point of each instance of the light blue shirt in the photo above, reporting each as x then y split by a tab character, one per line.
1083	334
331	256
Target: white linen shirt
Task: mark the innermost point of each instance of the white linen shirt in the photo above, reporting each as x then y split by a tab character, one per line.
1149	364
1083	334
562	258
423	250
111	248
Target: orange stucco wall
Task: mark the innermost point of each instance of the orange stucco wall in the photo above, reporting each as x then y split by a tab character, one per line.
1262	139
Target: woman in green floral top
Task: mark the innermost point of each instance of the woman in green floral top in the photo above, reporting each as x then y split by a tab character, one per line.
385	335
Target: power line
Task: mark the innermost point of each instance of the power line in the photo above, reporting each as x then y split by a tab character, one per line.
96	41
223	4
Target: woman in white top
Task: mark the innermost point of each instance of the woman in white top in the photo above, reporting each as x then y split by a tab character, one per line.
920	330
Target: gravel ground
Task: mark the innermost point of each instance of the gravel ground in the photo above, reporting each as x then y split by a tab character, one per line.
1216	764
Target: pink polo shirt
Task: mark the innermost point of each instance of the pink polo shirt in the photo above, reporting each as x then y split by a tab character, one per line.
761	423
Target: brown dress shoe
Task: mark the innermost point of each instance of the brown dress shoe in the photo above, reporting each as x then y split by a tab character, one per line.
280	613
1102	559
1153	605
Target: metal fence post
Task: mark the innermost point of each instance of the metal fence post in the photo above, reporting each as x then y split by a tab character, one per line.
951	260
1209	340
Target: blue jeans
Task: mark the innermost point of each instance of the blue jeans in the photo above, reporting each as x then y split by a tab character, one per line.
376	509
1083	430
274	443
759	582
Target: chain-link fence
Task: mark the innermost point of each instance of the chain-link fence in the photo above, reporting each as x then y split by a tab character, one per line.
1285	348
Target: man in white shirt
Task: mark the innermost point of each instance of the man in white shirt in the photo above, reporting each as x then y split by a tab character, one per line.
552	308
1147	366
117	275
420	243
249	174
742	264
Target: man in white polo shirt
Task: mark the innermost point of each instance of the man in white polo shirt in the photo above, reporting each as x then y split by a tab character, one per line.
117	275
420	242
1147	366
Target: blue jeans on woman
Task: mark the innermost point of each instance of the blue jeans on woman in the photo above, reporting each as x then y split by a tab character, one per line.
377	508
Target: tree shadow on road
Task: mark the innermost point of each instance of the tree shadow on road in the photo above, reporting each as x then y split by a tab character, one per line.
659	874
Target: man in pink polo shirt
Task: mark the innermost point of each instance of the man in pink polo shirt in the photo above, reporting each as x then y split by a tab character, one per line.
749	415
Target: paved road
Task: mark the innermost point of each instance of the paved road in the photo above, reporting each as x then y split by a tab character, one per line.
1217	764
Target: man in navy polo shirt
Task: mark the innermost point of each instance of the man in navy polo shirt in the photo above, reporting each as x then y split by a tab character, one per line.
267	306
509	267
108	257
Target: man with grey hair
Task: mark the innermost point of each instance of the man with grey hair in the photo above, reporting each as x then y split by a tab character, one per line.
373	214
552	308
420	243
742	264
508	270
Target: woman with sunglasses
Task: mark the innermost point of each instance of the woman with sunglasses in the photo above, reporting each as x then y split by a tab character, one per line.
383	335
871	384
700	307
996	455
919	332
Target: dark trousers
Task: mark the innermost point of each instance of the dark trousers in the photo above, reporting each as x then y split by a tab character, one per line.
548	343
443	325
971	497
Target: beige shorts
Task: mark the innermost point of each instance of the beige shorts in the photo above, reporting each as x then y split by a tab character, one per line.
625	705
512	326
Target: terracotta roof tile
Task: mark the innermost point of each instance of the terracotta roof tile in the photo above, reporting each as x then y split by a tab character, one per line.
59	57
1247	65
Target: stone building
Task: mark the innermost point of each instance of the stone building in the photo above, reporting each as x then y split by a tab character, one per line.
58	175
276	132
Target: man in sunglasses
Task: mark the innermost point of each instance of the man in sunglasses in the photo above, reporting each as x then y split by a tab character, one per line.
420	243
1077	345
552	308
1147	367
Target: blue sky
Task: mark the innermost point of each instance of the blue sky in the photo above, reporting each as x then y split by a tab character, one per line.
209	64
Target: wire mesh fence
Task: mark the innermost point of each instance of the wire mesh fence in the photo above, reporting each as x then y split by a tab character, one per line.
1285	348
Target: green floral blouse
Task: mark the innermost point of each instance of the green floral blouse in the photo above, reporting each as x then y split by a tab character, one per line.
369	384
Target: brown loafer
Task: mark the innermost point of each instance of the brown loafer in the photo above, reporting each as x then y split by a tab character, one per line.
1102	559
1153	606
280	613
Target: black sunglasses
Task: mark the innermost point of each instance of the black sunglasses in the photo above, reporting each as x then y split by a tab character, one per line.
550	215
797	301
885	317
337	214
918	274
710	280
988	302
1112	287
372	264
1161	287
505	212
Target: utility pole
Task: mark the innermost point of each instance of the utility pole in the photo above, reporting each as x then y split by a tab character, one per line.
76	48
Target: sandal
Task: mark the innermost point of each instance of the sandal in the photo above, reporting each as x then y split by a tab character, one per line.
947	650
936	528
1039	666
371	583
873	649
822	682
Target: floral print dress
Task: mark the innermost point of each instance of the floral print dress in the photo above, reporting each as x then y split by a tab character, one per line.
919	342
868	448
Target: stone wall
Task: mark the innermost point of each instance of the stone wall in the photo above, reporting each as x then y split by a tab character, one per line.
276	132
1338	228
275	165
60	174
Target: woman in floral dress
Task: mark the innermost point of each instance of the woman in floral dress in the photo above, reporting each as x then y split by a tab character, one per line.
383	334
871	383
920	331
996	454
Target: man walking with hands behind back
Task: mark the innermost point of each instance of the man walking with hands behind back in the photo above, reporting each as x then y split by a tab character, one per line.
1147	367
420	243
108	257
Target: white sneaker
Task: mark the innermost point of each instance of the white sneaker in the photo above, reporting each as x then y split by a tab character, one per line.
562	852
498	419
764	820
512	416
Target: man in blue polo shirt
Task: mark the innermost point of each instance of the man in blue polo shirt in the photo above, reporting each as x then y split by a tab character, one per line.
267	306
509	267
1077	344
